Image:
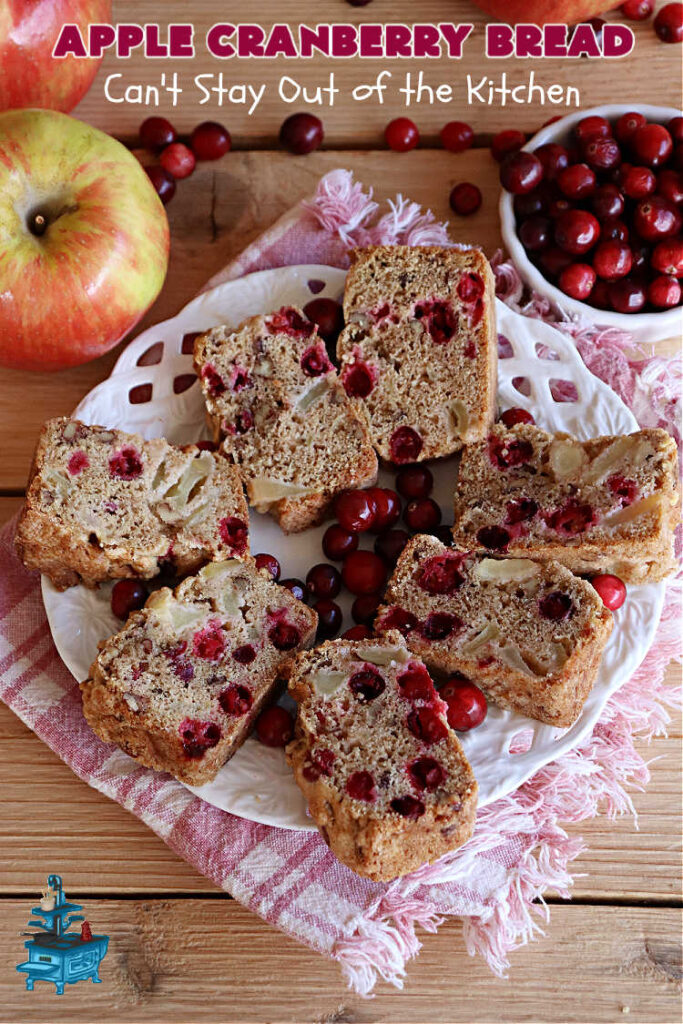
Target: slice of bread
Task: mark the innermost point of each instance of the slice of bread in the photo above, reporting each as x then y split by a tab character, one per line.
103	504
606	505
419	351
530	635
275	398
385	778
180	686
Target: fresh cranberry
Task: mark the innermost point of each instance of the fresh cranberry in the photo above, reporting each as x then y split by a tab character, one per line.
675	126
623	488
209	643
328	315
641	260
440	625
577	181
198	737
364	608
520	510
554	260
401	135
456	136
398	618
339	542
275	726
270	563
215	384
244	655
610	589
667	257
602	154
426	774
77	463
589	127
390	544
127	596
323	580
495	538
471	287
465	198
439	318
296	587
415	683
467	705
554	159
236	700
626	126
426	725
126	463
521	172
414	482
677	161
507	454
607	201
577	280
528	204
664	292
571	519
361	786
364	572
315	362
387	507
210	141
535	233
638	182
600	295
614	230
359	379
422	515
652	144
178	160
405	445
408	807
156	133
612	260
670	185
367	684
441	574
234	533
355	510
668	23
557	205
283	635
506	142
637	10
555	606
357	633
301	133
627	295
577	231
329	618
511	417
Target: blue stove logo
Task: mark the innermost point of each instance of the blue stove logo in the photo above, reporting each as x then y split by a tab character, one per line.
55	954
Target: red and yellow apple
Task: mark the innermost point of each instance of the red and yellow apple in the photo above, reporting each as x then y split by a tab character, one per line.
544	12
29	75
83	241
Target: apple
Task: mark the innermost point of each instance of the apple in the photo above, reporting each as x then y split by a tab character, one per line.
29	76
84	241
545	12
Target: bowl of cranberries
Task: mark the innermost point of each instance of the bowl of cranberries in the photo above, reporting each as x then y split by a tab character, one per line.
592	216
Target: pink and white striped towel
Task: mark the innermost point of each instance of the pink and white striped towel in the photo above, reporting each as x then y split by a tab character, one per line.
519	849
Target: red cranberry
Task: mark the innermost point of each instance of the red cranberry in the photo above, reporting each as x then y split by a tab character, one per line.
440	625
495	538
456	136
77	463
215	384
577	231
198	737
127	596
668	23
426	773
602	154
329	619
675	126
178	160
471	287
557	205
613	230
387	507
627	124
589	127
163	182
664	292
607	201
405	445
554	159
126	463
511	417
677	161
555	606
364	608
207	446
323	580
667	257
236	700
364	572
465	199
638	182
441	574
670	185
355	510
612	260
401	135
361	786
358	379
414	482
390	544
209	643
244	655
610	589
339	542
400	619
315	361
637	10
623	488
554	260
408	807
506	454
577	280
600	295
275	726
627	295
439	318
270	563
295	587
301	133
655	218
210	141
505	143
367	684
289	320
577	181
520	510
320	764
467	705
422	515
535	233
234	533
521	172
652	144
328	315
573	517
357	633
528	204
283	635
156	133
416	683
426	725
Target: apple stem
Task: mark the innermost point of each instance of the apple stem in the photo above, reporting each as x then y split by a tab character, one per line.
38	224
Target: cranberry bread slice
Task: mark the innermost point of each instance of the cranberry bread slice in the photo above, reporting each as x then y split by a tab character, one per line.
180	686
419	352
529	635
385	778
102	504
605	505
274	395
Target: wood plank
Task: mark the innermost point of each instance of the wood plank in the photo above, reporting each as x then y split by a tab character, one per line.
649	74
8	508
193	959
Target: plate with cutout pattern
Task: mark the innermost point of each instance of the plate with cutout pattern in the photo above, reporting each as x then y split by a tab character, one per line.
153	391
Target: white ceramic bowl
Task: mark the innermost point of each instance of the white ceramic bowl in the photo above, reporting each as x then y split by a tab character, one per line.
643	326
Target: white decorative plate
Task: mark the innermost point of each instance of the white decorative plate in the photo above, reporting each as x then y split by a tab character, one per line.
151	390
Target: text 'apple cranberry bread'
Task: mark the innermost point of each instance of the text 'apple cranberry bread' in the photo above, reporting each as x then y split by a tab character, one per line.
419	350
274	396
385	778
609	504
103	504
179	687
529	635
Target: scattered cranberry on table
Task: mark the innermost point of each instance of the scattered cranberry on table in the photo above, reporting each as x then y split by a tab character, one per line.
465	199
357	633
275	726
387	508
156	133
323	580
422	515
270	563
178	160
511	417
295	587
163	182
127	596
338	542
637	10
364	608
467	707
329	618
611	590
401	135
506	142
355	510
302	133
456	136
390	544
414	482
327	315
668	23
364	572
210	141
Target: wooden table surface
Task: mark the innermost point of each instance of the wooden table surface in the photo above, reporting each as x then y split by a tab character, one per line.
180	949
